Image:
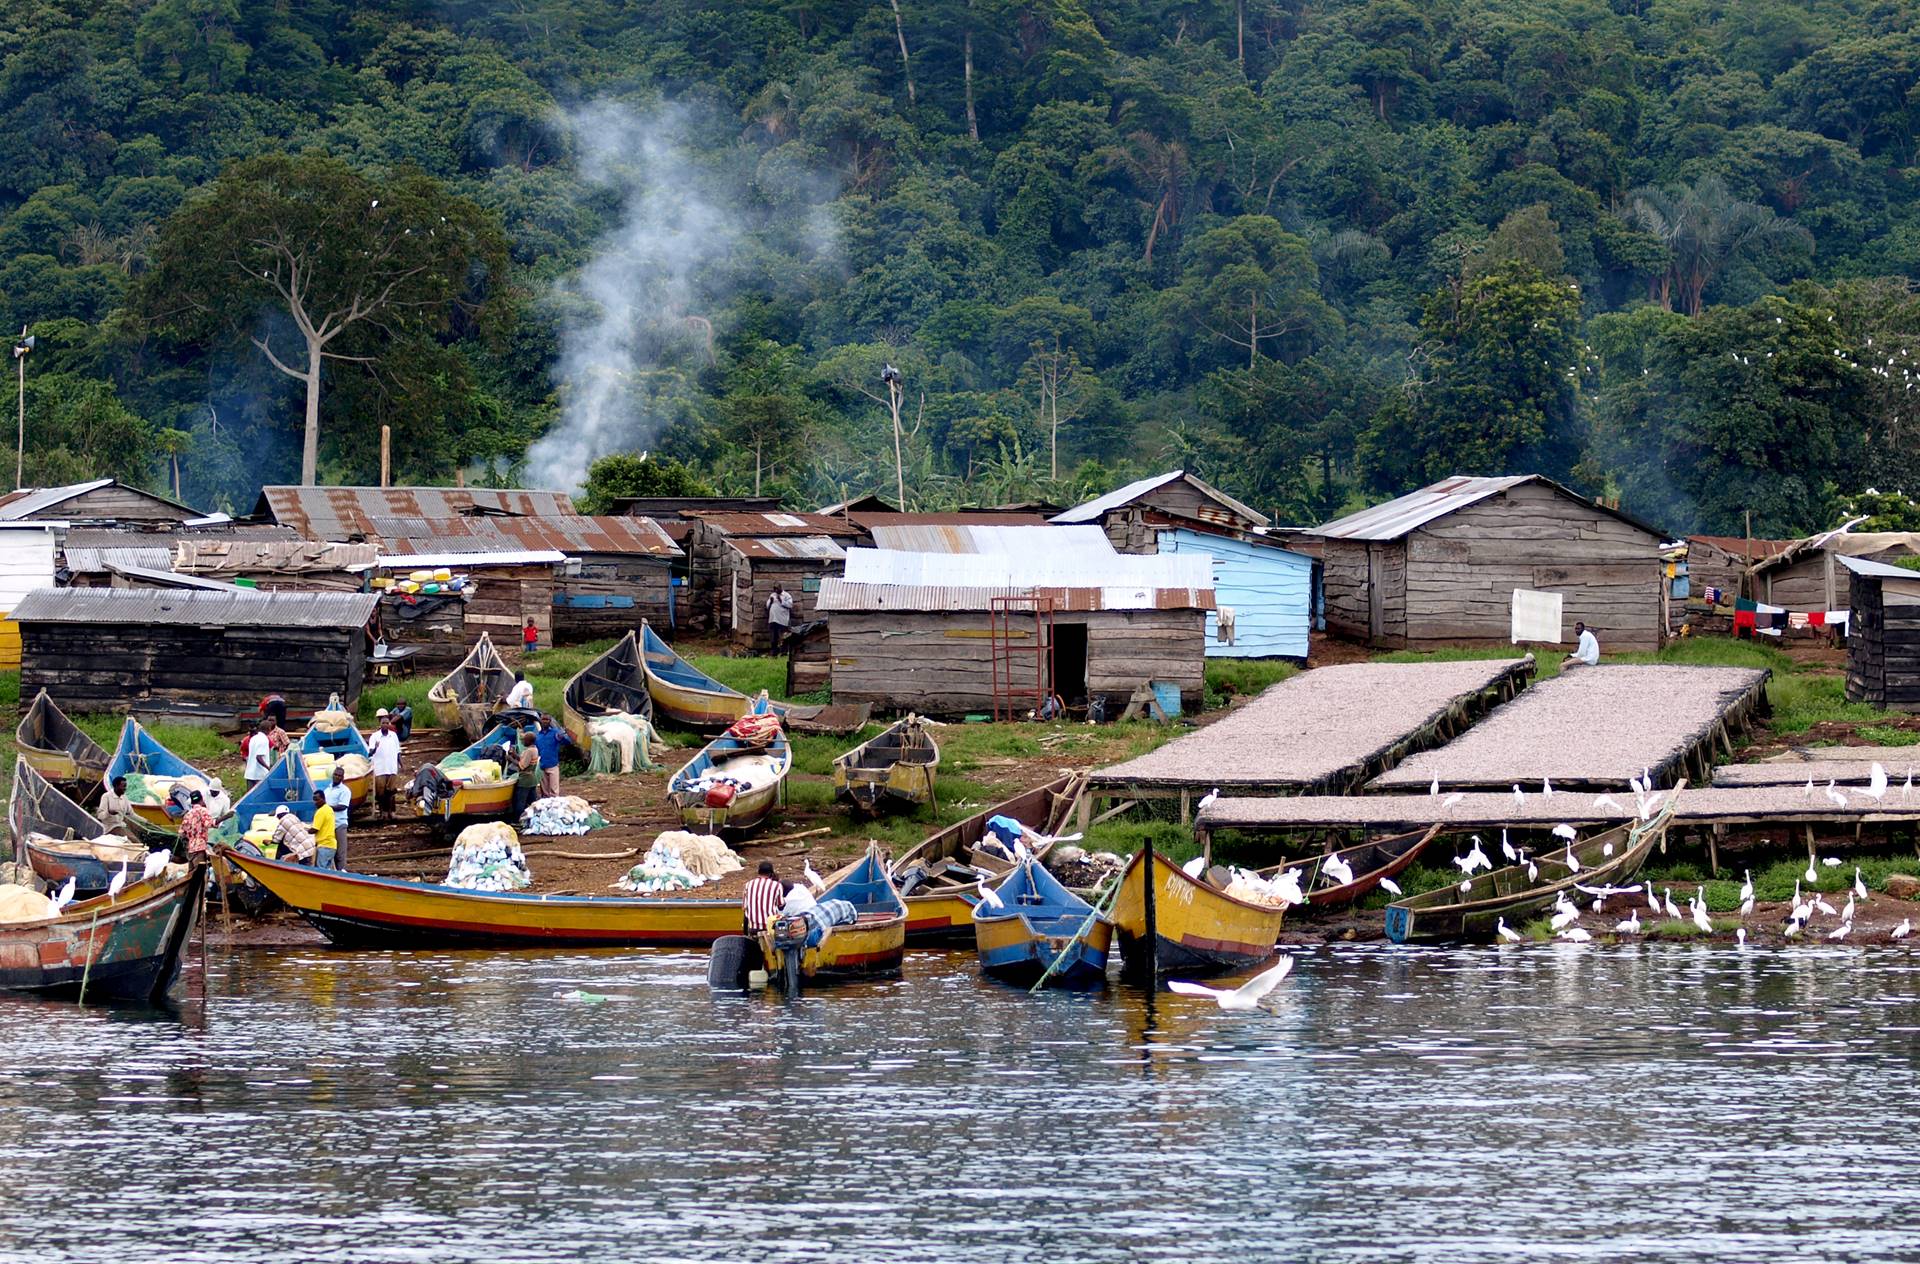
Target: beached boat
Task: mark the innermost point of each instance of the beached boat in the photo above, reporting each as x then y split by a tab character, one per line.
61	840
286	784
682	692
355	910
339	744
126	948
613	682
1041	929
140	757
756	776
940	877
894	768
1188	925
466	697
1370	862
869	947
1610	858
481	796
55	747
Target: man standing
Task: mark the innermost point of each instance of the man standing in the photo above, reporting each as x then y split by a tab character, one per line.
195	825
277	739
383	751
340	799
259	754
762	899
549	740
326	843
526	783
779	616
115	810
1587	652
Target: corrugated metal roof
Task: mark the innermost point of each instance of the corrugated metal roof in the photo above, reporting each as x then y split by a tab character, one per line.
1100	506
279	557
792	548
493	557
121	537
161	577
867	521
578	534
346	513
774	523
31	500
840	594
1396	517
1030	569
1842	544
236	607
1091	542
87	561
1878	570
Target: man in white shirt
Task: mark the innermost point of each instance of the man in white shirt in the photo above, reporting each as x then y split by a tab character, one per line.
521	695
1587	652
339	798
779	616
383	750
259	754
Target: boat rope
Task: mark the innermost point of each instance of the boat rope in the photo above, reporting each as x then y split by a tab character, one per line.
1101	904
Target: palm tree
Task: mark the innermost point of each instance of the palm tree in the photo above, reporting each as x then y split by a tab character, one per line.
1704	228
1159	170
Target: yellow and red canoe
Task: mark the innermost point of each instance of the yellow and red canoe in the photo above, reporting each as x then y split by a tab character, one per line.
871	947
1195	928
356	910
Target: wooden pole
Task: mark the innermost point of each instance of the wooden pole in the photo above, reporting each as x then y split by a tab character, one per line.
1152	936
386	456
460	476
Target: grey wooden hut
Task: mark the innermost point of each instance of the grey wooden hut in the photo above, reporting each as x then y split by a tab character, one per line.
1439	566
737	560
1807	575
1883	634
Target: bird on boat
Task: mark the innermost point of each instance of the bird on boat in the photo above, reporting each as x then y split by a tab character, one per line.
1193	867
1631	926
65	897
1466	885
1533	871
1337	869
813	879
157	862
1746	893
1904	929
1673	910
1388	884
1507	934
989	896
119	883
1209	799
1506	849
1573	862
1287	887
1576	934
1247	996
1859	883
1477	856
1452	799
1565	831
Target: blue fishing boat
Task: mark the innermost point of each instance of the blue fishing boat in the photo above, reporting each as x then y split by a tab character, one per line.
140	756
857	931
1037	922
286	784
732	784
346	741
60	840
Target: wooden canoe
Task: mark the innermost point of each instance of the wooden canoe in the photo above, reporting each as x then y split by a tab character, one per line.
466	697
355	910
139	753
681	692
894	768
613	682
870	948
55	747
64	848
346	741
1195	928
1370	861
1037	923
1447	914
126	948
759	774
484	798
287	785
941	875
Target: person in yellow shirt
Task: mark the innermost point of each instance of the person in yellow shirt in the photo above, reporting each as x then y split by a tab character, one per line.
326	844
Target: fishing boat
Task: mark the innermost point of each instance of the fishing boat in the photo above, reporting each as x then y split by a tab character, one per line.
940	878
1039	930
285	785
799	953
1369	862
682	692
1448	913
477	796
356	910
1182	924
55	747
893	768
125	947
732	784
466	697
60	840
339	744
138	758
612	683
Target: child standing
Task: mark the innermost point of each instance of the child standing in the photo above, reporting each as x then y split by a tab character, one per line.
530	638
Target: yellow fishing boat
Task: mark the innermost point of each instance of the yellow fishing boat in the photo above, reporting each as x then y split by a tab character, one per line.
355	910
1188	926
682	692
613	682
802	950
53	746
895	767
481	797
466	696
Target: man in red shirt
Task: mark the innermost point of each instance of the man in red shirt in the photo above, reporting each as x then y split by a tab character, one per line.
195	826
762	899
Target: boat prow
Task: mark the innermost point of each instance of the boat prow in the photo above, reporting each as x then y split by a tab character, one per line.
1187	925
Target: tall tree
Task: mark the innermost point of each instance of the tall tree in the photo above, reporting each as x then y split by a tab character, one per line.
1705	228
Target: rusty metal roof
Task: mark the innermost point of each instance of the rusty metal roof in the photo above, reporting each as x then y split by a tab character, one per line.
276	557
237	607
789	548
346	513
774	523
576	534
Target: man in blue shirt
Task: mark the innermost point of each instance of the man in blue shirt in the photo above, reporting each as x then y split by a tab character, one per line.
548	741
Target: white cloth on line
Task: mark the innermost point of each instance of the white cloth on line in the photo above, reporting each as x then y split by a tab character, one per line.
1536	616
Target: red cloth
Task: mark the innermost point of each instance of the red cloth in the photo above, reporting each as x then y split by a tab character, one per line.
1816	618
1743	618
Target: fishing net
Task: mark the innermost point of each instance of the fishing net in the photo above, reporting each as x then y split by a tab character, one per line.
486	857
22	904
561	815
679	861
620	742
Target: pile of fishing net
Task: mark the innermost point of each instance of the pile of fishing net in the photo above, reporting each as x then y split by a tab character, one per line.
24	904
1078	867
110	848
755	730
486	857
620	742
562	814
678	861
150	788
335	719
462	769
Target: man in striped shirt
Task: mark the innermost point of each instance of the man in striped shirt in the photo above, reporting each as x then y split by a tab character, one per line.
764	895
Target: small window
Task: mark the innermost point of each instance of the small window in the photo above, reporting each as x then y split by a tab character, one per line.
810	583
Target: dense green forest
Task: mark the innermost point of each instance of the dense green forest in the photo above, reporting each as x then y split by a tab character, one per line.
1318	253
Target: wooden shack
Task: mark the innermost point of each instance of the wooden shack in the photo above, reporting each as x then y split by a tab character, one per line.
1132	516
507	588
100	649
101	502
1883	634
810	657
1808	575
1440	566
1716	563
737	560
27	551
918	631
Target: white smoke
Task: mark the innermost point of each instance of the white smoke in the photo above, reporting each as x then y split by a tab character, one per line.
670	256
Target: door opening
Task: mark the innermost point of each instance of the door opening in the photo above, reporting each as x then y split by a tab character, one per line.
1070	663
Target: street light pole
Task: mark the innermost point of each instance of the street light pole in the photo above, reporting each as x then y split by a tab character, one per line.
20	350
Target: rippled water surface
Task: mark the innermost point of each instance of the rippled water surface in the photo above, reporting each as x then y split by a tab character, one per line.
1565	1103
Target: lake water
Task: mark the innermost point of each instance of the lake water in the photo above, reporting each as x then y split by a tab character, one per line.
1676	1103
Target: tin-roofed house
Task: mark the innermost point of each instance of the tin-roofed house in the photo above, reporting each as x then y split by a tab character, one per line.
276	565
1440	566
919	631
737	560
1808	574
101	502
1883	634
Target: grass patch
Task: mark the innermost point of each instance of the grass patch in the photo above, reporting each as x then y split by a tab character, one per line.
1775	881
747	675
1882	735
1229	677
1685	929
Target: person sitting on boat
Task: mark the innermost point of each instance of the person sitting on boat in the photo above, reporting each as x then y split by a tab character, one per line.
326	842
195	825
429	786
521	695
402	717
763	899
115	809
526	784
291	839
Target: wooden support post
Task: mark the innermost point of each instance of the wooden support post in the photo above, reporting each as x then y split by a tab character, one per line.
1186	806
1713	849
1083	811
1152	936
386	456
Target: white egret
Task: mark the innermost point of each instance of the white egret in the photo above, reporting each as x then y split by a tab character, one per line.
1673	910
1337	869
1835	797
1565	831
1876	783
1831	862
1546	787
1820	903
1210	798
1193	867
990	897
1388	884
1506	849
1904	929
1631	926
1560	921
1740	936
1859	883
1813	872
1519	797
1573	862
119	883
1452	799
1701	919
1533	871
1606	801
1576	934
157	862
1746	893
65	897
1435	787
813	879
1841	931
1501	929
1247	996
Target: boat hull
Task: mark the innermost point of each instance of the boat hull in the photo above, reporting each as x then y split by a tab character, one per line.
940	917
1195	929
130	951
747	812
57	765
90	874
695	708
1013	950
851	954
902	786
358	911
490	799
1367	883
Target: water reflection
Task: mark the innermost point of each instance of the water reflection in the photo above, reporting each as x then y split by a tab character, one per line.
1396	1104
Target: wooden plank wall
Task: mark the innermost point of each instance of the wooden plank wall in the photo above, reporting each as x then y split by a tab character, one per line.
122	504
704	606
810	661
1344	577
1462	570
1127	648
107	667
641	581
1802	584
752	581
1883	642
